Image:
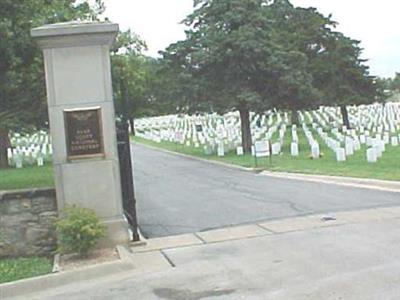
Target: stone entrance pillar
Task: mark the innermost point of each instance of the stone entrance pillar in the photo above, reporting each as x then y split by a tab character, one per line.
82	122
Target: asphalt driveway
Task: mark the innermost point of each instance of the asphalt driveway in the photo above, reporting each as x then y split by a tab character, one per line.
178	195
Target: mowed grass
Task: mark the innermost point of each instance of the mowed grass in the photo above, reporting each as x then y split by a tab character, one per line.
12	269
387	167
26	177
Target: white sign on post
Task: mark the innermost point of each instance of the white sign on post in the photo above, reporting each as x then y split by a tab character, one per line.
261	149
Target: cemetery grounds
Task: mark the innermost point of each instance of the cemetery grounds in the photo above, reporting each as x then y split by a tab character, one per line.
317	140
30	160
318	145
369	150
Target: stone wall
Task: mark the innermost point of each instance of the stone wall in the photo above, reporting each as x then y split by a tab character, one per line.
27	222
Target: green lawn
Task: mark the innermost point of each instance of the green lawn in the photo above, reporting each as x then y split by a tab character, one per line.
27	177
387	167
12	269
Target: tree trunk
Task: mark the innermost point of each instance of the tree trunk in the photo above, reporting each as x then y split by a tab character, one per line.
4	145
245	127
345	116
295	117
132	124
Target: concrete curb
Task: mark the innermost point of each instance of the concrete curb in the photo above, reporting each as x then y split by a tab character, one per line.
140	263
268	228
375	184
52	280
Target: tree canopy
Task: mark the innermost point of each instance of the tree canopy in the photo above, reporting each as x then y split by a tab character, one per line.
259	54
246	55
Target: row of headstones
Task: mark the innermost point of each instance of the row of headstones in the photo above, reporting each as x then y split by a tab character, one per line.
34	149
218	138
352	142
375	117
261	135
294	147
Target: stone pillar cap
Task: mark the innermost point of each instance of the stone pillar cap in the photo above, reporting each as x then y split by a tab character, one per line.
75	33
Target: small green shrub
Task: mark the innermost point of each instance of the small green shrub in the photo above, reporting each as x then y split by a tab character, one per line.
79	229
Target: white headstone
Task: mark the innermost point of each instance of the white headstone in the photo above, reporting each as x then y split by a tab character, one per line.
340	154
18	162
315	150
371	155
220	149
349	147
386	138
276	148
294	149
239	150
40	161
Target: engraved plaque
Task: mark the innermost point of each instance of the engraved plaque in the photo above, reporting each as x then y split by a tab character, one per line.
83	132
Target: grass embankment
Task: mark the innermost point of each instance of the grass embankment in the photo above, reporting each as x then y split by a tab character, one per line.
387	167
26	177
12	269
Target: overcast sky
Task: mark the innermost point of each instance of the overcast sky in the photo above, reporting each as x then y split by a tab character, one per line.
375	23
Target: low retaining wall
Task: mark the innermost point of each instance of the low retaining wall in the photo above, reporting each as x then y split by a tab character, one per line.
27	222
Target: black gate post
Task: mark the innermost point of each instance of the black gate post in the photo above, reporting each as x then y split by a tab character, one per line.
126	174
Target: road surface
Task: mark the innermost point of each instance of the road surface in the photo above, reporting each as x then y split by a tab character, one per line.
177	195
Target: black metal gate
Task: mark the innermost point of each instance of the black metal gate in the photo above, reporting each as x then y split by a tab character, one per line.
125	167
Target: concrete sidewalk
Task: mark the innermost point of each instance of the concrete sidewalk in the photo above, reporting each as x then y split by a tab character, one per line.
352	257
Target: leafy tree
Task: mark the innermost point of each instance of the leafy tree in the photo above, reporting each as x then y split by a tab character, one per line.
300	32
164	89
331	61
257	54
230	57
142	87
129	76
384	90
343	78
339	76
395	83
22	88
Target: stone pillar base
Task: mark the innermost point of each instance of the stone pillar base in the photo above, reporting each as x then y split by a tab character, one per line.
117	233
